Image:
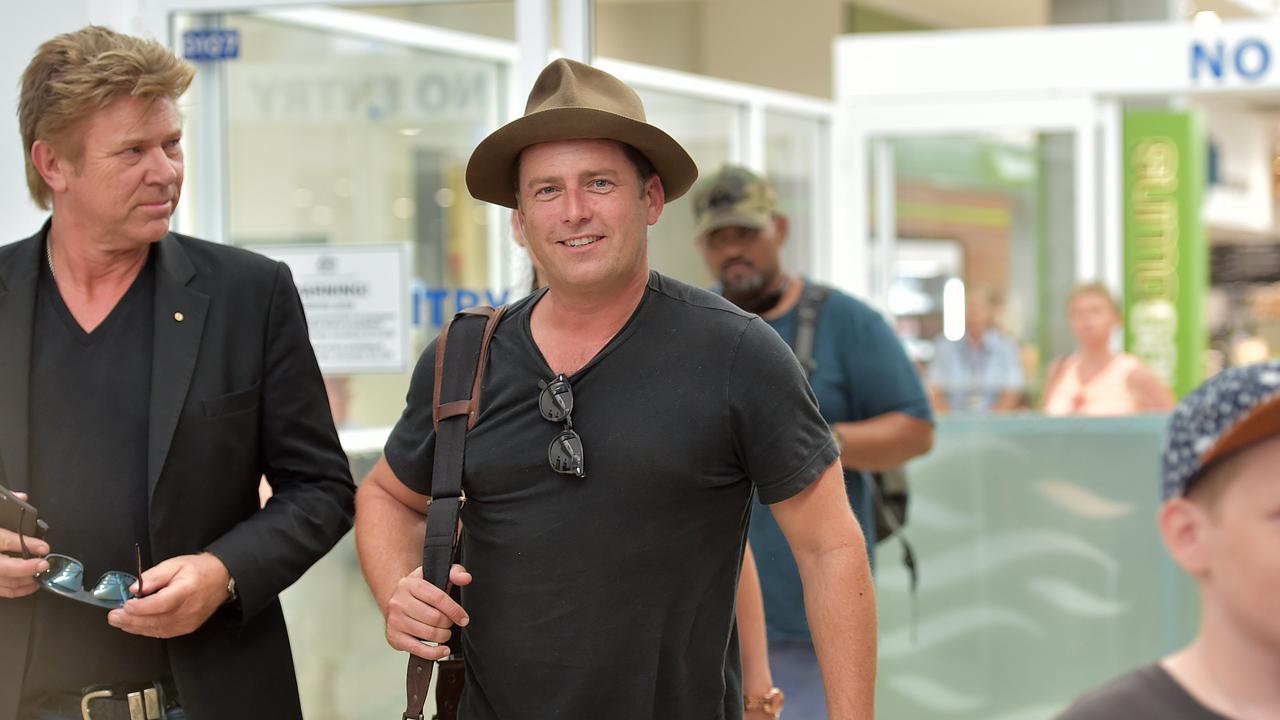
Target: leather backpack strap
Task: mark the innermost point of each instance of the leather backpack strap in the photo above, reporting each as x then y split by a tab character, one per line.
461	356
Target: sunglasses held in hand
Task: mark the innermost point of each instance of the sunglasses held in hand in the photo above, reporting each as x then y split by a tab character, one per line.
65	577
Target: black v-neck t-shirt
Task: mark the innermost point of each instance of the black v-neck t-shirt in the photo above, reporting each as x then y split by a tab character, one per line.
90	408
1149	693
612	596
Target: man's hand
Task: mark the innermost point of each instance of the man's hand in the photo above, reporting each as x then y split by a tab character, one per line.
17	575
420	613
182	592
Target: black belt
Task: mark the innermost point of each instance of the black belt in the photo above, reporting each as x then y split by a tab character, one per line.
118	701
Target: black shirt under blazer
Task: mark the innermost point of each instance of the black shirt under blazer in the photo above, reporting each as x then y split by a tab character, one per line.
236	393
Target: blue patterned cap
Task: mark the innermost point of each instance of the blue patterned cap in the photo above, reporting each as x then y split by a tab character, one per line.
1229	412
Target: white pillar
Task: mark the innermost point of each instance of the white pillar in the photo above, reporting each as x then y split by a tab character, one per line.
577	29
1086	192
886	222
533	36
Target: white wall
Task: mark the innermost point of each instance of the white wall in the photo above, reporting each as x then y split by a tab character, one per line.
1242	200
21	32
23	27
784	45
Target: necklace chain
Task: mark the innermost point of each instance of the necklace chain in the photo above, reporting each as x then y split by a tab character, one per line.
48	254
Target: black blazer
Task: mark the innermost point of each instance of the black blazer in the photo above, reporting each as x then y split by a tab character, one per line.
235	393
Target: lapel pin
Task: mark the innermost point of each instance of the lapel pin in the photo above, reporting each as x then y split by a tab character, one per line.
179	316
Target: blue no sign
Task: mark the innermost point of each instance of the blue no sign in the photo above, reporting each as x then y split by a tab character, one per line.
211	45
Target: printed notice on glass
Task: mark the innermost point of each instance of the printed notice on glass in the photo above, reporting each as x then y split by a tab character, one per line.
356	298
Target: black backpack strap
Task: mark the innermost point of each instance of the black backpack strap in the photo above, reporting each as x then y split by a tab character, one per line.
461	356
807	310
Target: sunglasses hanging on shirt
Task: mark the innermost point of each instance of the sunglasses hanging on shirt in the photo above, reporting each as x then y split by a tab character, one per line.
555	402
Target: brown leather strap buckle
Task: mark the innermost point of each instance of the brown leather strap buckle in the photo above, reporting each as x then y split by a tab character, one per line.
469	406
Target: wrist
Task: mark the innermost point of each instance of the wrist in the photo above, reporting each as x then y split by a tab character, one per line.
233	593
765	705
225	580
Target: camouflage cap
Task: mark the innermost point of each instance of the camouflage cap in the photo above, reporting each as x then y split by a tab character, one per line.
734	196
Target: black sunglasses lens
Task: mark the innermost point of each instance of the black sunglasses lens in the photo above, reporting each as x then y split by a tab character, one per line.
565	454
64	572
555	402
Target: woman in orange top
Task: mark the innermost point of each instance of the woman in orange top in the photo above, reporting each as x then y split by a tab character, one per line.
1094	380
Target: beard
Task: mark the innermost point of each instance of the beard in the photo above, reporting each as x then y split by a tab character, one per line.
744	285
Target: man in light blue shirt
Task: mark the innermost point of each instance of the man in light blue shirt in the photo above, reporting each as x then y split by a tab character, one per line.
981	372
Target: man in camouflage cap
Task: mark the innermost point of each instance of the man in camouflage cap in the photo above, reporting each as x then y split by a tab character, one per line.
867	389
1221	524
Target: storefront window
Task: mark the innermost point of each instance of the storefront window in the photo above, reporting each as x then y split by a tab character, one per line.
985	219
340	144
793	157
705	128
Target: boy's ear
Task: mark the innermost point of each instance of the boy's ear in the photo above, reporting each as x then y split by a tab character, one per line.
1185	528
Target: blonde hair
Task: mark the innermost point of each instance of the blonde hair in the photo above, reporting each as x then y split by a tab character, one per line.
76	74
1094	288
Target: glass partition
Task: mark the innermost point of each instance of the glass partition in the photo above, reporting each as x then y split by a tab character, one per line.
1041	573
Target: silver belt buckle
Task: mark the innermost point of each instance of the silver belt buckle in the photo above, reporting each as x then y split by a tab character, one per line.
144	705
89	697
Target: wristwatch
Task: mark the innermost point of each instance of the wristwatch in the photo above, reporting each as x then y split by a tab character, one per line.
232	594
769	703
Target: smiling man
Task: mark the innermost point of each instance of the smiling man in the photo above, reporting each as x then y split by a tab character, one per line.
149	380
604	587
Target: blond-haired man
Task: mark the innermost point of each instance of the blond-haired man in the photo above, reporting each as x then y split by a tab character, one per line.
604	572
149	380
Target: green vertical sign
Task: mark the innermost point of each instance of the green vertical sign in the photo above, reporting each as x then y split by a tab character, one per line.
1165	255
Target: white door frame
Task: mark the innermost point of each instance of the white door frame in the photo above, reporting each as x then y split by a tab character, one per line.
866	132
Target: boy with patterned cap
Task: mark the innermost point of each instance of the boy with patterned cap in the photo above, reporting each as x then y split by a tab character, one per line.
604	574
1221	523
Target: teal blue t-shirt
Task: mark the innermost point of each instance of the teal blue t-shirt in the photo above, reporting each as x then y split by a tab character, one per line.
862	372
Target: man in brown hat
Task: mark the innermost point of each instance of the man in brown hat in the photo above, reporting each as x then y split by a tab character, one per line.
604	571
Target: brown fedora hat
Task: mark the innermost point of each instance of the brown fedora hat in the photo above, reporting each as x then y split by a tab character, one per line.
572	101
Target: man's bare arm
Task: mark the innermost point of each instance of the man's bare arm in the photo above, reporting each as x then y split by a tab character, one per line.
839	597
883	442
752	636
389	529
